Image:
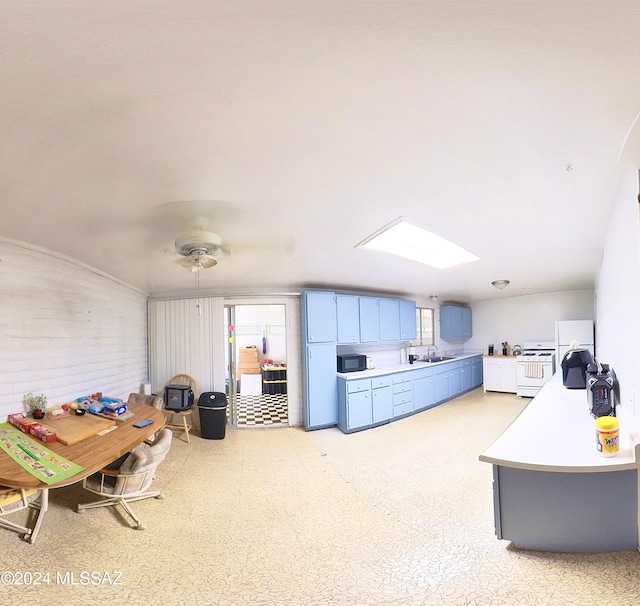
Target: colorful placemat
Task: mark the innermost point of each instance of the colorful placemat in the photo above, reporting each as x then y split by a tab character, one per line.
35	458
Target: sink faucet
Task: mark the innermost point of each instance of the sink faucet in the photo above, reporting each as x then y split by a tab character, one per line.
428	348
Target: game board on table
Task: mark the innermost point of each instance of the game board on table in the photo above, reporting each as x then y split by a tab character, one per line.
46	465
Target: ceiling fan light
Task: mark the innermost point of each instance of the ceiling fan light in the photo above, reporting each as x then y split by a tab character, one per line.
500	284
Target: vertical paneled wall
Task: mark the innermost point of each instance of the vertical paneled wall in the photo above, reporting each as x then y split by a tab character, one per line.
186	339
66	330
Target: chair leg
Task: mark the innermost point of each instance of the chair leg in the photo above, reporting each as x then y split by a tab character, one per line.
186	428
136	519
42	509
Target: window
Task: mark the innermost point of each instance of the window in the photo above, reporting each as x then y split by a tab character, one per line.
424	326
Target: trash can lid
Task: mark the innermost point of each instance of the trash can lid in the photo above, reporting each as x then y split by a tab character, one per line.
212	399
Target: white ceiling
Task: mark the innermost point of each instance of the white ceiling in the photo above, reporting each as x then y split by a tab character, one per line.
298	127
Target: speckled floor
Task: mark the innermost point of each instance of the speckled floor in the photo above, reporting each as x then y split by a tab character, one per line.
397	515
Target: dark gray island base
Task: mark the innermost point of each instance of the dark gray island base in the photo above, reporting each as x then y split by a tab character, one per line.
566	512
552	490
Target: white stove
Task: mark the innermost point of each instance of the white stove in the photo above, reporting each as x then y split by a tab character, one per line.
535	366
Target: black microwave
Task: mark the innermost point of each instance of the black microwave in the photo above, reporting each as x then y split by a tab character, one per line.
351	363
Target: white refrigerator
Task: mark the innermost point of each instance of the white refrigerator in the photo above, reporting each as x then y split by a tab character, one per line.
573	330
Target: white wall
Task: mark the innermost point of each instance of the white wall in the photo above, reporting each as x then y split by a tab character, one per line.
254	321
618	293
527	318
66	330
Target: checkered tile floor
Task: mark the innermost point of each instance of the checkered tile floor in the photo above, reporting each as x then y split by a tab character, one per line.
262	410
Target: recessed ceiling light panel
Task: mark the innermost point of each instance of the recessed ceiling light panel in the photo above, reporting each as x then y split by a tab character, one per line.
412	242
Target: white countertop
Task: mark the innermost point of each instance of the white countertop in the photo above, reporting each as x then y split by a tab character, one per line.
555	432
393	368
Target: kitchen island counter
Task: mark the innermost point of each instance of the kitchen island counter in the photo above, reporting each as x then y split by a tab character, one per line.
552	490
555	432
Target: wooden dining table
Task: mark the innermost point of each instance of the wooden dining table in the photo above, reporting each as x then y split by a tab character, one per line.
92	453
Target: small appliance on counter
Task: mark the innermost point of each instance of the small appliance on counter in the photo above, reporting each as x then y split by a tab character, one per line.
574	367
351	362
370	363
601	390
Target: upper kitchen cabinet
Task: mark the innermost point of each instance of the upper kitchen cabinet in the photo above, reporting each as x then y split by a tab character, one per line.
408	325
319	316
455	322
389	319
348	319
369	319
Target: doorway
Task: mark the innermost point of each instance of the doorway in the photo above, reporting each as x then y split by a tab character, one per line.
256	365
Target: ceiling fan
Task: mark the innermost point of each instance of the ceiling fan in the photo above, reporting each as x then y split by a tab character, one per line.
200	248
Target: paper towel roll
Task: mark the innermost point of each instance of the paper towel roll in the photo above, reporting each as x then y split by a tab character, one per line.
146	389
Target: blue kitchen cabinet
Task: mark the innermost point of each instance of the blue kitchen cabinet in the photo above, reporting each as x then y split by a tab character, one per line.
319	316
369	319
359	410
408	326
423	393
476	371
320	386
402	393
382	402
441	386
348	319
466	375
466	331
423	387
455	322
455	379
389	318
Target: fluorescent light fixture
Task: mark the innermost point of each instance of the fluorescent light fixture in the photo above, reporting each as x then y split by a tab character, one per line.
412	242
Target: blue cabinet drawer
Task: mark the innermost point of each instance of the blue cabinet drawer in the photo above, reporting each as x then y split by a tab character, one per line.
402	398
380	382
402	409
423	372
403	387
402	377
358	385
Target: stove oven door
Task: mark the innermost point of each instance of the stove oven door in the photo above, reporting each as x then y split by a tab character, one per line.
528	383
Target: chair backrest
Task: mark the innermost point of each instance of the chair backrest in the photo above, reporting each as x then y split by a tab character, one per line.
140	398
183	379
138	469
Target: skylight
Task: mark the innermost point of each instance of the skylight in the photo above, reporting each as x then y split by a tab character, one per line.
412	242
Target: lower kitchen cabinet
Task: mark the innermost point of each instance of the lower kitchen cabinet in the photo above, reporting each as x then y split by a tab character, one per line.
476	371
382	404
466	374
378	399
364	402
423	388
500	373
359	410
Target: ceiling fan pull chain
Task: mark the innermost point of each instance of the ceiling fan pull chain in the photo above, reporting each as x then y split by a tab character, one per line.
198	307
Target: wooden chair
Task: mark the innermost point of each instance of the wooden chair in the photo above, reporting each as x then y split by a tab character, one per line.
130	480
15	499
186	416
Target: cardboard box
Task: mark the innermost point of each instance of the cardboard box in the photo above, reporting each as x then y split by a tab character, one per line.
248	354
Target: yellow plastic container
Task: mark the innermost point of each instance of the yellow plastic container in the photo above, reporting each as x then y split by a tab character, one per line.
607	436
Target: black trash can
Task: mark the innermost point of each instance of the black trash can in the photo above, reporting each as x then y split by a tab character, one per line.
212	406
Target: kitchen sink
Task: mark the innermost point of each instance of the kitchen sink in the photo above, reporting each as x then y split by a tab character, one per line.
433	359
